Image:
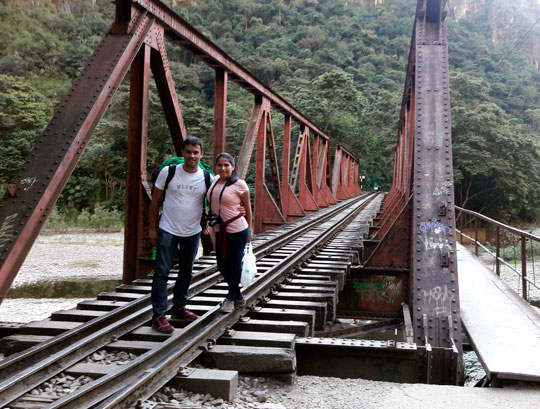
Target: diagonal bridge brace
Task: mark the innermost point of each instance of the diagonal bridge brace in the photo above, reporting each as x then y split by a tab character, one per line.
27	203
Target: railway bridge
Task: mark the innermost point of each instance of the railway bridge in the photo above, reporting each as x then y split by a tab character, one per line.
324	248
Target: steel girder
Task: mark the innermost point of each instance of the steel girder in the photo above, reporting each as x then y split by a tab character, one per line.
136	40
346	174
435	293
415	231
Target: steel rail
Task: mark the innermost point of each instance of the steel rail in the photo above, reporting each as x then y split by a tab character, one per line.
28	369
150	371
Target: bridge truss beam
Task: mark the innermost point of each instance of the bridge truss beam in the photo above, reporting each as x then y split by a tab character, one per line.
136	40
411	253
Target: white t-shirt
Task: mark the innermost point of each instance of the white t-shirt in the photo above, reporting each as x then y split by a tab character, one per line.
182	208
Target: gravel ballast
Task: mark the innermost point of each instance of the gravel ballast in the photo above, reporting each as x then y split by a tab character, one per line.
99	257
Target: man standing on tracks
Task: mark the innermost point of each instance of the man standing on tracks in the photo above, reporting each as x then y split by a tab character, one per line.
179	227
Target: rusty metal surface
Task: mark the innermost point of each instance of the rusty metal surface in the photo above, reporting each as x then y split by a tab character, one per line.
136	165
389	361
435	292
165	87
345	177
267	213
369	293
220	113
360	329
391	246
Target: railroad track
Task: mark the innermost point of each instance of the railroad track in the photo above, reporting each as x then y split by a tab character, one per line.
115	315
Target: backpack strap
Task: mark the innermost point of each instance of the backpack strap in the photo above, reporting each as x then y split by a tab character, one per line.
170	175
172	171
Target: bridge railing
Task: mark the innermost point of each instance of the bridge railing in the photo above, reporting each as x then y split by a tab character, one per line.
508	245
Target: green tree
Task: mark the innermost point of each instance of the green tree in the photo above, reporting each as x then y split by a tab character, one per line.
23	114
492	155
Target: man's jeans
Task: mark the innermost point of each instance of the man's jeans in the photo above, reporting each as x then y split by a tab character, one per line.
167	248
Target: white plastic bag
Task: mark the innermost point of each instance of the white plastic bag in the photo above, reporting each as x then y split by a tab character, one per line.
249	266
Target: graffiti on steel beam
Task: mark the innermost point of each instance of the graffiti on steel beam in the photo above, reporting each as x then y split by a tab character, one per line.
441	297
6	231
435	234
443	188
28	183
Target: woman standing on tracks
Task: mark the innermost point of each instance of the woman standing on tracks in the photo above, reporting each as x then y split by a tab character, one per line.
226	196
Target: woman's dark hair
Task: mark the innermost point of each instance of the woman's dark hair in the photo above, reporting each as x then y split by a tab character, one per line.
230	159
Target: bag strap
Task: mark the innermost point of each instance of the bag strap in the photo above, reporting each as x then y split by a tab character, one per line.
220	196
172	171
224	224
170	175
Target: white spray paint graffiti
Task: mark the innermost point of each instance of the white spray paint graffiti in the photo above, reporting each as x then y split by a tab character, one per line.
435	234
442	189
442	298
29	182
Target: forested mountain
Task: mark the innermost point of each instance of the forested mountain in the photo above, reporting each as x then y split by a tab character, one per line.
341	63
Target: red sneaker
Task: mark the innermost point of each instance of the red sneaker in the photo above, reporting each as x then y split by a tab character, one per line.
161	324
182	313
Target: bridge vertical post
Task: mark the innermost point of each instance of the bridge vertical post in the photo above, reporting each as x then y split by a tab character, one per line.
304	171
476	236
260	160
525	291
317	172
220	111
435	292
497	250
285	165
136	163
326	179
244	156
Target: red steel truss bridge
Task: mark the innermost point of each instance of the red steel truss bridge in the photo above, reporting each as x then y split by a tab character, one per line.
407	266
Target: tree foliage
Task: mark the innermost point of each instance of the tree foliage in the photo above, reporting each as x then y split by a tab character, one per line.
341	63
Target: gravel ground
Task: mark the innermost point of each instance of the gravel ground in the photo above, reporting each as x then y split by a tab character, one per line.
89	256
99	256
312	392
511	277
95	256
